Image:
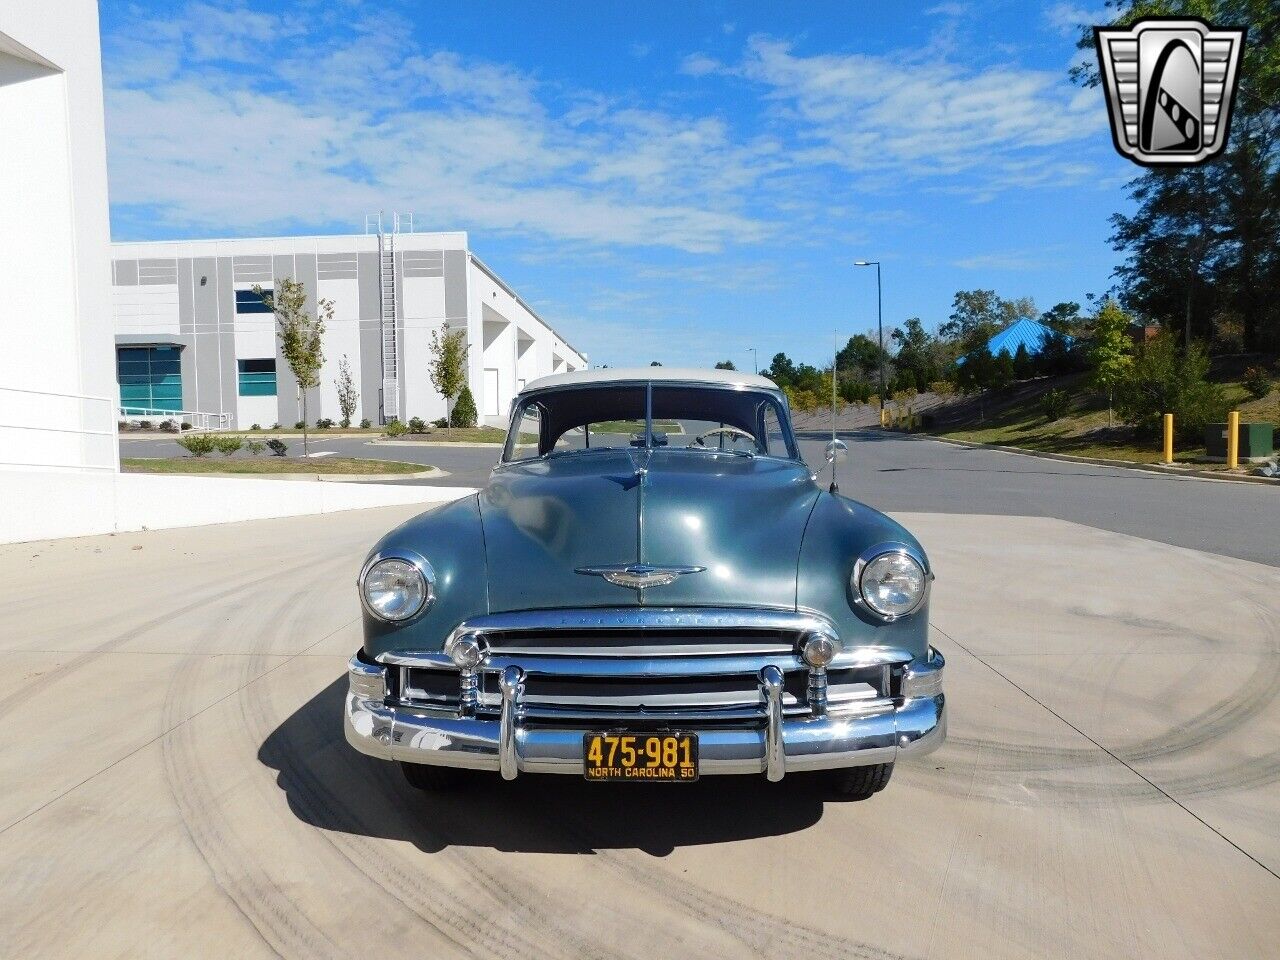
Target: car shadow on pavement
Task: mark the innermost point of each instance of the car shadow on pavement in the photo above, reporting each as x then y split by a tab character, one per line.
331	786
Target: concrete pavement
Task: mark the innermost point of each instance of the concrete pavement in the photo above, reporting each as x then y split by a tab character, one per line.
177	783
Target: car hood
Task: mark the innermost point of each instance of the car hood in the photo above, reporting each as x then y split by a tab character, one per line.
741	519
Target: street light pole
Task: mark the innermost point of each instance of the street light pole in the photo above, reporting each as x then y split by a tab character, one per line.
879	325
755	360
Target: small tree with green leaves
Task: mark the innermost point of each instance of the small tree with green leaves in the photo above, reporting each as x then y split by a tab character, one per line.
464	411
1111	353
348	397
448	364
301	335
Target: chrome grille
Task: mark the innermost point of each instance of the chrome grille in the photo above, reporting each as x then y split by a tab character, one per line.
637	667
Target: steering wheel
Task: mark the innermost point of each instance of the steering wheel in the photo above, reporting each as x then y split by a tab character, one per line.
701	438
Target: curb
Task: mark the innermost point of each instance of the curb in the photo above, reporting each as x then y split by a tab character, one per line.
1159	468
435	443
434	474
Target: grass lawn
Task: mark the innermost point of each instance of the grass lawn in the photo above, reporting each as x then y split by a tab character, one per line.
633	426
1083	431
267	465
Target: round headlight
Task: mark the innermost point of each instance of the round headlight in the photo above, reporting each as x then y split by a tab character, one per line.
394	589
892	584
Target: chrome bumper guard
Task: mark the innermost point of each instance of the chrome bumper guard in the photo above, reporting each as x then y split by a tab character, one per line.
878	731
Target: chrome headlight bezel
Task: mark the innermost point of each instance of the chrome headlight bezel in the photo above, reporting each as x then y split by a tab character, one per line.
418	563
875	553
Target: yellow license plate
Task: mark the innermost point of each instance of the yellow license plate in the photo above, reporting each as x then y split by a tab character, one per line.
669	757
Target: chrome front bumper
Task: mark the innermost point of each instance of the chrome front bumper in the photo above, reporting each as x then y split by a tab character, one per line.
868	733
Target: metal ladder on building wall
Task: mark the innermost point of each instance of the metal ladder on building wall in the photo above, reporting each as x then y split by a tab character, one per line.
387	316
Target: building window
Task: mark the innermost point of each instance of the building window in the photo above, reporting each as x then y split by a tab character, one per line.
257	377
249	302
150	379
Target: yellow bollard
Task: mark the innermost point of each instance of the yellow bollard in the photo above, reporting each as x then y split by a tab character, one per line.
884	418
1233	439
1168	438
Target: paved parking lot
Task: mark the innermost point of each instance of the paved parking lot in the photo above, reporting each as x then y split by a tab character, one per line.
893	472
176	782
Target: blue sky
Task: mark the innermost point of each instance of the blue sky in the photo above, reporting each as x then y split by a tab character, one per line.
673	181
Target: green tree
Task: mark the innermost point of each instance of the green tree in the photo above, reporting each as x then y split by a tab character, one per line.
1204	242
725	365
1165	379
1062	318
301	335
1110	350
862	354
464	411
781	370
916	356
348	396
447	366
1023	367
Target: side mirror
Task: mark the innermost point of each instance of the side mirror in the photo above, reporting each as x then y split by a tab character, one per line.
837	451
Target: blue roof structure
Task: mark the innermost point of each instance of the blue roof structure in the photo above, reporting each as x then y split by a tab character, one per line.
1021	333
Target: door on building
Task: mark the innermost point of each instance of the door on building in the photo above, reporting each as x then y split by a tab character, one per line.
150	379
491	408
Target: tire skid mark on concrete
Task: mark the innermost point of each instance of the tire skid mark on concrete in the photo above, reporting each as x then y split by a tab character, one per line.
263	905
154	623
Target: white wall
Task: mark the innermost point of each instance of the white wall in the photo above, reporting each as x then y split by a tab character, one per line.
54	242
423	312
85	504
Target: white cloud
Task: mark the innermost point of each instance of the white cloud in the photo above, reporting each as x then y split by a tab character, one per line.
327	126
924	116
948	10
1067	18
699	65
1012	260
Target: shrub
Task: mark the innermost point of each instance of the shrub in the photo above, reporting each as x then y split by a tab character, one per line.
395	428
122	425
300	425
942	389
185	425
227	444
1054	404
198	444
365	424
169	426
278	447
1256	382
324	423
256	426
1165	379
275	426
144	424
464	411
344	422
255	447
416	425
442	422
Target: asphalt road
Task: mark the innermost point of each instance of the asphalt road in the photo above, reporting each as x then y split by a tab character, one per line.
176	782
896	473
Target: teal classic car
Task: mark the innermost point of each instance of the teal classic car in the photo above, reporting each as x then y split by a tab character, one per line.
652	587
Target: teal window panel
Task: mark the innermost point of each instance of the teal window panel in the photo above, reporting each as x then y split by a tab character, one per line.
257	377
150	379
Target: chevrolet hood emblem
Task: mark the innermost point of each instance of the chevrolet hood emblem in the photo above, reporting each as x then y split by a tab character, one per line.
637	576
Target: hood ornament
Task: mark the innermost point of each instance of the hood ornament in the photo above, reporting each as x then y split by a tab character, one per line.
637	576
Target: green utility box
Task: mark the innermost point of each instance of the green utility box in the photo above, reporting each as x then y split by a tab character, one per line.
1257	441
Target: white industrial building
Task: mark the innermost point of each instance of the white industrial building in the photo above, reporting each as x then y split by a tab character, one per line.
57	379
193	340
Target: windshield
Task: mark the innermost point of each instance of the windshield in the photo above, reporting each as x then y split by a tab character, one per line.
694	418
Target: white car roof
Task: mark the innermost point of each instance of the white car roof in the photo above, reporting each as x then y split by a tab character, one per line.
579	378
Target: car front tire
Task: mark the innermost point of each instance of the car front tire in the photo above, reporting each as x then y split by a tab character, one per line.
859	783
